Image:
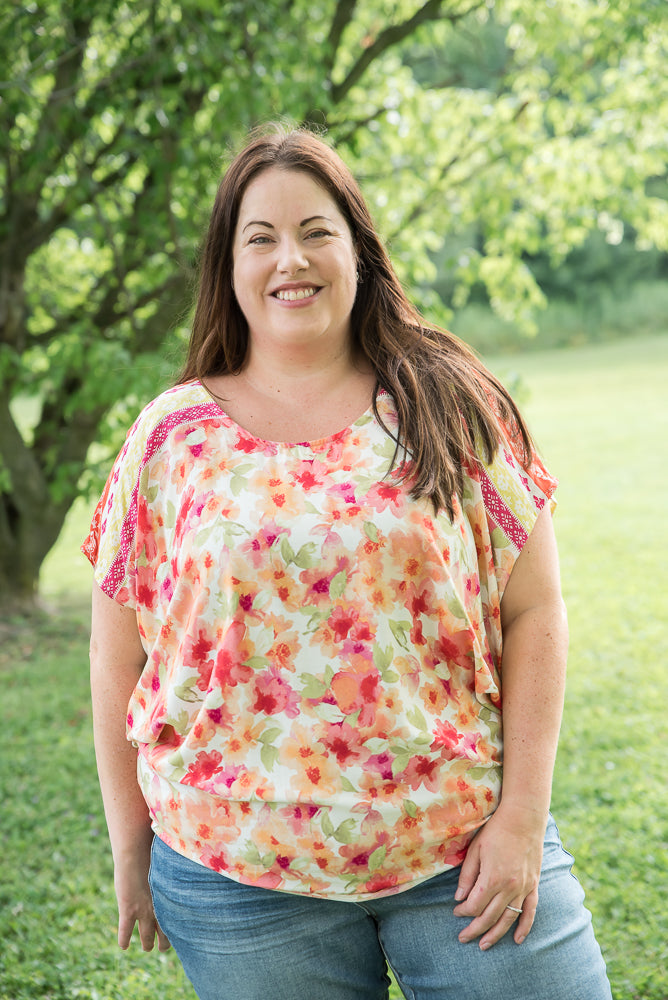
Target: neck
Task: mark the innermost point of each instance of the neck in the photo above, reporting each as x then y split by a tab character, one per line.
295	373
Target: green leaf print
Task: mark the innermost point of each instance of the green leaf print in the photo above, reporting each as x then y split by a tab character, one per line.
499	540
382	658
346	785
238	480
338	585
306	557
371	531
269	735
170	515
256	662
399	631
269	755
185	691
410	808
345	832
417	719
287	551
326	825
377	857
313	688
400	763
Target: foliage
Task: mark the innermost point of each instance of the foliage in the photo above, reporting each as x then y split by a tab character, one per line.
57	915
546	123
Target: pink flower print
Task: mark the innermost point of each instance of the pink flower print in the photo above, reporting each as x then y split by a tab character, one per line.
145	538
380	764
196	653
384	495
255	547
423	770
380	883
358	860
344	742
341	621
145	588
274	695
230	669
344	492
311	475
203	768
453	743
455	647
357	692
445	735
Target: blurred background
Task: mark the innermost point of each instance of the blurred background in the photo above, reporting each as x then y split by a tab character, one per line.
514	154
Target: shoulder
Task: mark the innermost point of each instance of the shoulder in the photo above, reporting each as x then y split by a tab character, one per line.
171	409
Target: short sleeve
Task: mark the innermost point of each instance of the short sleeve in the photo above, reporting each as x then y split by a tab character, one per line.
111	542
513	497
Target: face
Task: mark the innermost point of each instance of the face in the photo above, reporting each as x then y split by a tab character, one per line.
294	264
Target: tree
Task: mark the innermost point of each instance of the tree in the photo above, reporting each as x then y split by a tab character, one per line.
115	117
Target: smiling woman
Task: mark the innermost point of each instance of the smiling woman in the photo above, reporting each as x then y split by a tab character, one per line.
328	633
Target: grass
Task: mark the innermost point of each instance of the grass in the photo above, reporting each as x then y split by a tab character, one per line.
600	416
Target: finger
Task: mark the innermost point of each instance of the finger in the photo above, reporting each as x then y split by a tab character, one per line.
468	874
147	931
125	928
525	922
163	941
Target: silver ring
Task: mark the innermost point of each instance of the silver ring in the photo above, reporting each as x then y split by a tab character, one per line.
514	909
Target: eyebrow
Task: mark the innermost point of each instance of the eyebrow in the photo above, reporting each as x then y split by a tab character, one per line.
268	225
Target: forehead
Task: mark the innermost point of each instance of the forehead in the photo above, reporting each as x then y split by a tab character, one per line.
285	194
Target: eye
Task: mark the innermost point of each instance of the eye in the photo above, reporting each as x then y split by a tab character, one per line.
318	234
259	240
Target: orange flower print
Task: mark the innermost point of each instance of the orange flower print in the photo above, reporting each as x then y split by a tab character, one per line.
357	692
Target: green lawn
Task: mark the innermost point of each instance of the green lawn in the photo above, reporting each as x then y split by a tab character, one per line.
600	415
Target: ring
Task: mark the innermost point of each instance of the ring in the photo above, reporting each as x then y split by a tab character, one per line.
514	909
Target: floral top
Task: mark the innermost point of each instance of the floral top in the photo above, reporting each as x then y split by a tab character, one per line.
320	708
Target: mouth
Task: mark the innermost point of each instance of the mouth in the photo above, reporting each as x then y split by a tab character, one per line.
295	294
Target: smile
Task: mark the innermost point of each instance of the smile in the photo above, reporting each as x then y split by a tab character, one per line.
293	294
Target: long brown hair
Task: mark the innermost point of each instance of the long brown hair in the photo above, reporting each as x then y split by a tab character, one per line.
447	402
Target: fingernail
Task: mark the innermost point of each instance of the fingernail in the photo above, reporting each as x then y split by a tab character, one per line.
459	895
484	945
520	940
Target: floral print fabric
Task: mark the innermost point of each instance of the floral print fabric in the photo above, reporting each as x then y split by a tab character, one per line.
320	707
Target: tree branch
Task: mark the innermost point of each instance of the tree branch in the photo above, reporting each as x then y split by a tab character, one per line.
395	33
342	17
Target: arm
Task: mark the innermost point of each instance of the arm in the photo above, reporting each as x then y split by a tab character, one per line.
116	662
503	863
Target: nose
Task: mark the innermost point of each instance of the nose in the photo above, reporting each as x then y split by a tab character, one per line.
291	257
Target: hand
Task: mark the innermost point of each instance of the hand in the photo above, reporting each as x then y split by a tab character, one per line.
135	905
501	868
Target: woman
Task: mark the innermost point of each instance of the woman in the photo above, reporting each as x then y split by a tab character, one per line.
307	559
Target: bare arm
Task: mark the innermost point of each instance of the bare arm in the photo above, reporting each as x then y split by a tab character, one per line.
503	863
116	662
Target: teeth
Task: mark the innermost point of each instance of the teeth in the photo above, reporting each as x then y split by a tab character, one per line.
292	294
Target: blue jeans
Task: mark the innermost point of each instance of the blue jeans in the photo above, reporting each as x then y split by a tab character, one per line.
239	942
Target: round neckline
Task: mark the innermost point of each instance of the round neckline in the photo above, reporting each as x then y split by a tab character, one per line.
313	444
